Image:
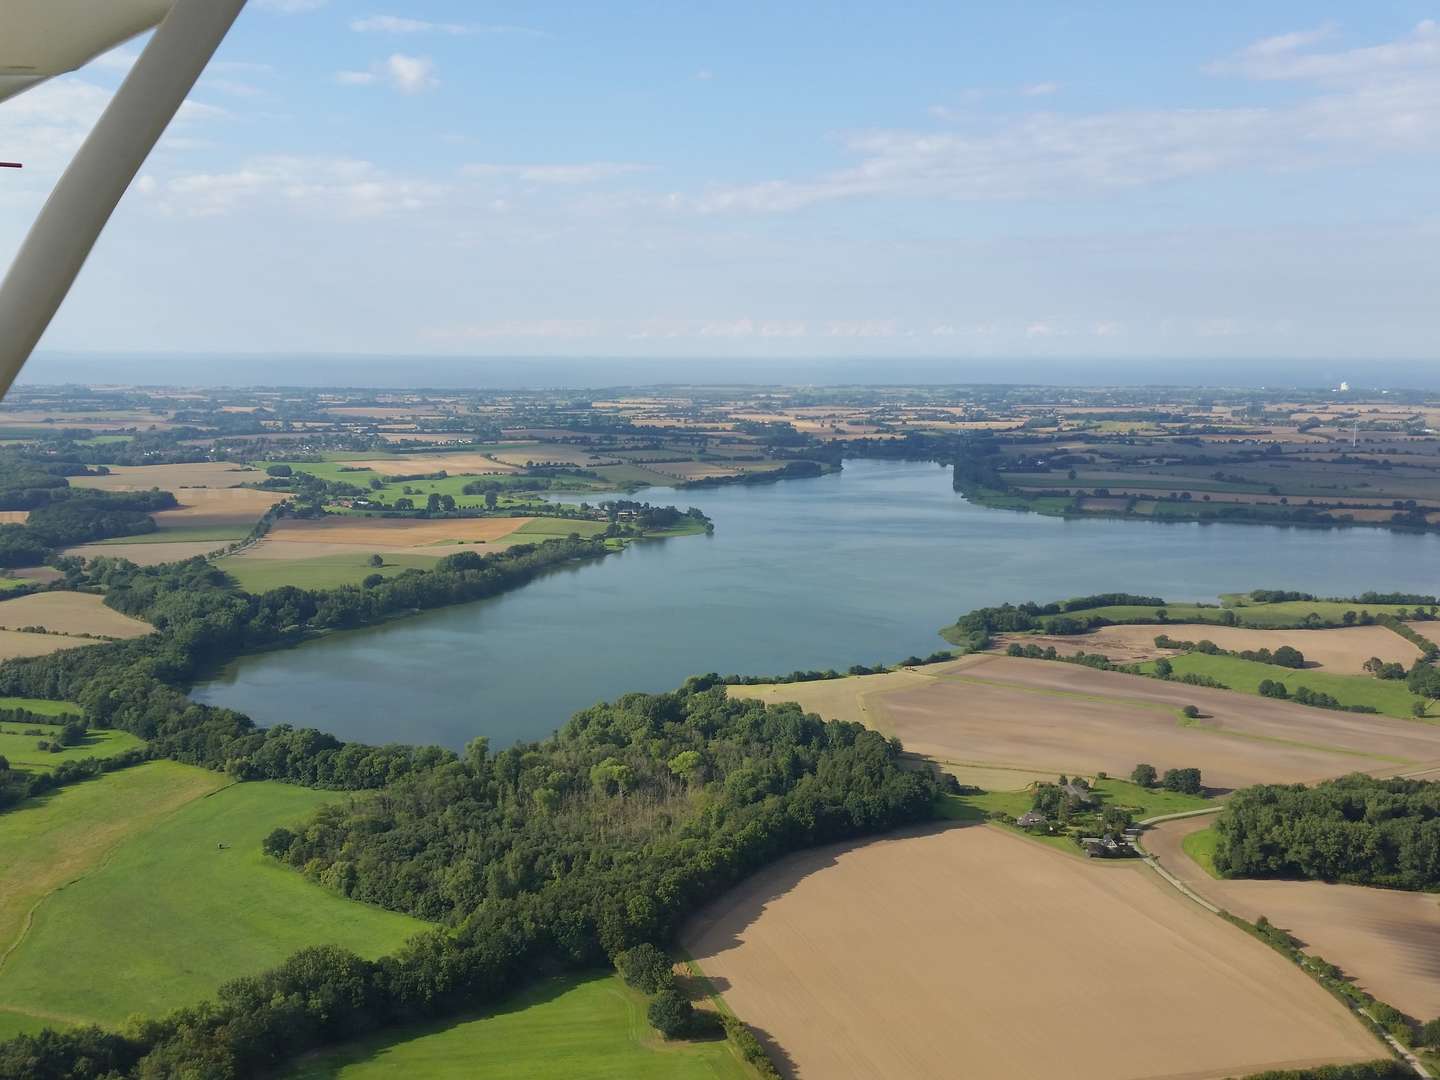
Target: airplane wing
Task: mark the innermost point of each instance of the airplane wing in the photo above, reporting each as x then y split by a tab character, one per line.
43	38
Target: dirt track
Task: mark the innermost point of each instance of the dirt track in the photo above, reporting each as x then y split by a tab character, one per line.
1057	717
1388	941
900	957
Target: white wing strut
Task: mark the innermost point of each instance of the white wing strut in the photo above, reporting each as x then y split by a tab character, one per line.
75	214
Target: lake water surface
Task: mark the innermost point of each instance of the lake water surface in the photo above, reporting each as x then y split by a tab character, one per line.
863	566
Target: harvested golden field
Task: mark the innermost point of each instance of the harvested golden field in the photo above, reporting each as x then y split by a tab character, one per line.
904	956
219	508
70	613
463	463
148	554
14	644
1387	941
391	533
1343	651
204	474
14	517
1064	718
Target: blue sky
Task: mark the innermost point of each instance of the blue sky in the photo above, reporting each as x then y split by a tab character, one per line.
751	179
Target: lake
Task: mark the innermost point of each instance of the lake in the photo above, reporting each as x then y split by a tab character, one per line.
862	566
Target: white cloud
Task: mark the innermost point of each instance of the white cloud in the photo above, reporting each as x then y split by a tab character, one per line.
1285	56
338	187
1040	89
400	24
407	74
588	172
1382	99
704	75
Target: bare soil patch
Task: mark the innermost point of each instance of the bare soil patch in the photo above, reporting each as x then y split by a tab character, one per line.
205	474
14	517
70	613
904	956
1054	717
1387	941
1343	651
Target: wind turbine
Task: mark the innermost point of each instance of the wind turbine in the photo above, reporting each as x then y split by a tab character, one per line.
43	38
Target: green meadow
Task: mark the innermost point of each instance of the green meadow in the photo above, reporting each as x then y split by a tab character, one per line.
1200	846
1388	696
586	1027
23	751
1141	802
181	901
322	572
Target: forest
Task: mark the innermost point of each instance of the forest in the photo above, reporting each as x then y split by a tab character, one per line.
555	855
1356	829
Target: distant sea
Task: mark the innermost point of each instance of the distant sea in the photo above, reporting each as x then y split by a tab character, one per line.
509	373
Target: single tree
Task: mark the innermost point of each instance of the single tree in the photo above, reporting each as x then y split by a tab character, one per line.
1144	775
670	1014
377	560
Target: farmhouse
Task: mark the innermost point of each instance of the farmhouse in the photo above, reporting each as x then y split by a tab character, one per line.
1030	819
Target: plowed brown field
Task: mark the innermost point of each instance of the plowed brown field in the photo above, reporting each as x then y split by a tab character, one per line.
1056	717
1388	941
900	957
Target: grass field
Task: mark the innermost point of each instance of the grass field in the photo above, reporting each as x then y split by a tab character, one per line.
1141	802
57	839
322	572
543	528
11	584
70	613
172	912
23	753
905	955
1388	696
1200	846
588	1027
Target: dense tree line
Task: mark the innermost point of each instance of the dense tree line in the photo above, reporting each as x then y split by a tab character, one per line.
1356	829
77	516
17	785
552	855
